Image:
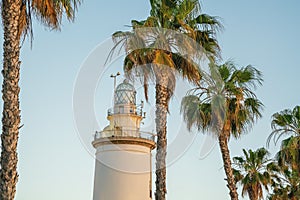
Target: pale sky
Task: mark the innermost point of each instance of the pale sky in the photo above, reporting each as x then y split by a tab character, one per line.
54	163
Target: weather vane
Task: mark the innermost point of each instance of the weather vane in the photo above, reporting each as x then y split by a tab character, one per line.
115	77
115	80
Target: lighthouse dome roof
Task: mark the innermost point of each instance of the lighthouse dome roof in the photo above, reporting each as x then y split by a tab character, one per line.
125	93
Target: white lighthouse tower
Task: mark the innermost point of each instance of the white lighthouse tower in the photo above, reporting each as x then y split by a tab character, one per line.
123	152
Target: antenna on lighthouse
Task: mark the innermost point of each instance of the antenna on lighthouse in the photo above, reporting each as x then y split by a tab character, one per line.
115	82
115	77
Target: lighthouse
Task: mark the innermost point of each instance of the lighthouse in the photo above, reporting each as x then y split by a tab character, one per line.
123	168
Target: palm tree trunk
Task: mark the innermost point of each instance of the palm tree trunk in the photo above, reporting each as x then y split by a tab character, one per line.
251	194
10	95
162	100
223	143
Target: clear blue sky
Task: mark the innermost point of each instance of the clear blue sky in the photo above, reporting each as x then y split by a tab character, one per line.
53	162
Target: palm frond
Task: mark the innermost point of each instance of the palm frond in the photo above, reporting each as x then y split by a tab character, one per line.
286	122
195	113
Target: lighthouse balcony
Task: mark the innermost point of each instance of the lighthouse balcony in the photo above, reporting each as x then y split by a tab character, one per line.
121	110
124	133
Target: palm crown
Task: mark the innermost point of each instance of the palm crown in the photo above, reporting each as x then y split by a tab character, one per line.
224	97
255	171
286	122
49	12
173	37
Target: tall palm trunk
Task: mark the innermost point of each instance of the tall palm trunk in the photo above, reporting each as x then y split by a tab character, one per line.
223	143
162	100
10	96
251	194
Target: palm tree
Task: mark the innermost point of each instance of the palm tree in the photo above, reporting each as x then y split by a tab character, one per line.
16	20
287	122
254	171
226	105
288	187
157	50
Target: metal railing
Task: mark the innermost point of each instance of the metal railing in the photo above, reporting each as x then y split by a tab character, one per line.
137	111
125	133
